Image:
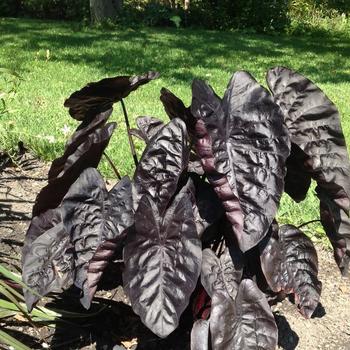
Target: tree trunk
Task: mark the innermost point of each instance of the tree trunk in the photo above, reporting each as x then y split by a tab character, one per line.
102	10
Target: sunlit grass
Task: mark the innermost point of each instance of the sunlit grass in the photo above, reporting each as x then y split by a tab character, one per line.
56	58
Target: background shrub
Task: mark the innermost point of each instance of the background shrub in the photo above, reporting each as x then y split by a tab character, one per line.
10	7
293	16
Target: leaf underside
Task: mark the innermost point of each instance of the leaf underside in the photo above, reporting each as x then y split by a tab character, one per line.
99	96
86	155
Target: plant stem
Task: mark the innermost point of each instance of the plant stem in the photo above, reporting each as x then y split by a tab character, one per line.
109	160
307	223
131	142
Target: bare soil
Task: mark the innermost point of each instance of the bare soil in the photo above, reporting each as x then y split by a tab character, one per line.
329	329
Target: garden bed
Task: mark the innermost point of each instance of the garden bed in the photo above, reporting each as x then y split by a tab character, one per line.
117	324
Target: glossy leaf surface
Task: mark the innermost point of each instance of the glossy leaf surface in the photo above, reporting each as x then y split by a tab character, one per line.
87	154
246	323
162	262
47	257
289	262
147	128
222	274
162	163
243	144
200	335
314	123
97	222
175	108
99	96
79	136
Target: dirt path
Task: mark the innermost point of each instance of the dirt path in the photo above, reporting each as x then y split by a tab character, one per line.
328	329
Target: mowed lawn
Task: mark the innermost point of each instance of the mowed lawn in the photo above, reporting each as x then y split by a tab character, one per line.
56	58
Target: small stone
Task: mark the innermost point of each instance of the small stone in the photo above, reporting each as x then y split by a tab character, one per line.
344	289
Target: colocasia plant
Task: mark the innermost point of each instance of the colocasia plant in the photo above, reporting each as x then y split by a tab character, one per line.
197	222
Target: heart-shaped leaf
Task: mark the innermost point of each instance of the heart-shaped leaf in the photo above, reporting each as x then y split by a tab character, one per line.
99	96
289	262
97	222
47	257
243	144
246	323
314	123
162	262
87	154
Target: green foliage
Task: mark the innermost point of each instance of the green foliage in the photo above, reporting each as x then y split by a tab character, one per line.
44	125
9	84
293	16
56	9
150	13
310	16
9	7
51	9
263	15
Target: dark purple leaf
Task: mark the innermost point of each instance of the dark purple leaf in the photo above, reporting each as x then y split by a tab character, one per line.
337	226
175	108
314	123
99	96
243	144
47	257
147	128
86	127
247	323
88	154
200	335
162	262
289	262
195	165
222	274
97	222
79	136
162	163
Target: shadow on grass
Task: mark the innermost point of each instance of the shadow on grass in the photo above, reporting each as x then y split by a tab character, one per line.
174	52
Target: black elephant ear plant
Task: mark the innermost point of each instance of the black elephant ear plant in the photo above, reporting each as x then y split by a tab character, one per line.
197	222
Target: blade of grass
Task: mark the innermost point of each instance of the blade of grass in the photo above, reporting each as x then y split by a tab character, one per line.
7	313
12	290
16	278
7	339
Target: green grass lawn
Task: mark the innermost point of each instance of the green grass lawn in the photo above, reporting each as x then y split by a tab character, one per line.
78	55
